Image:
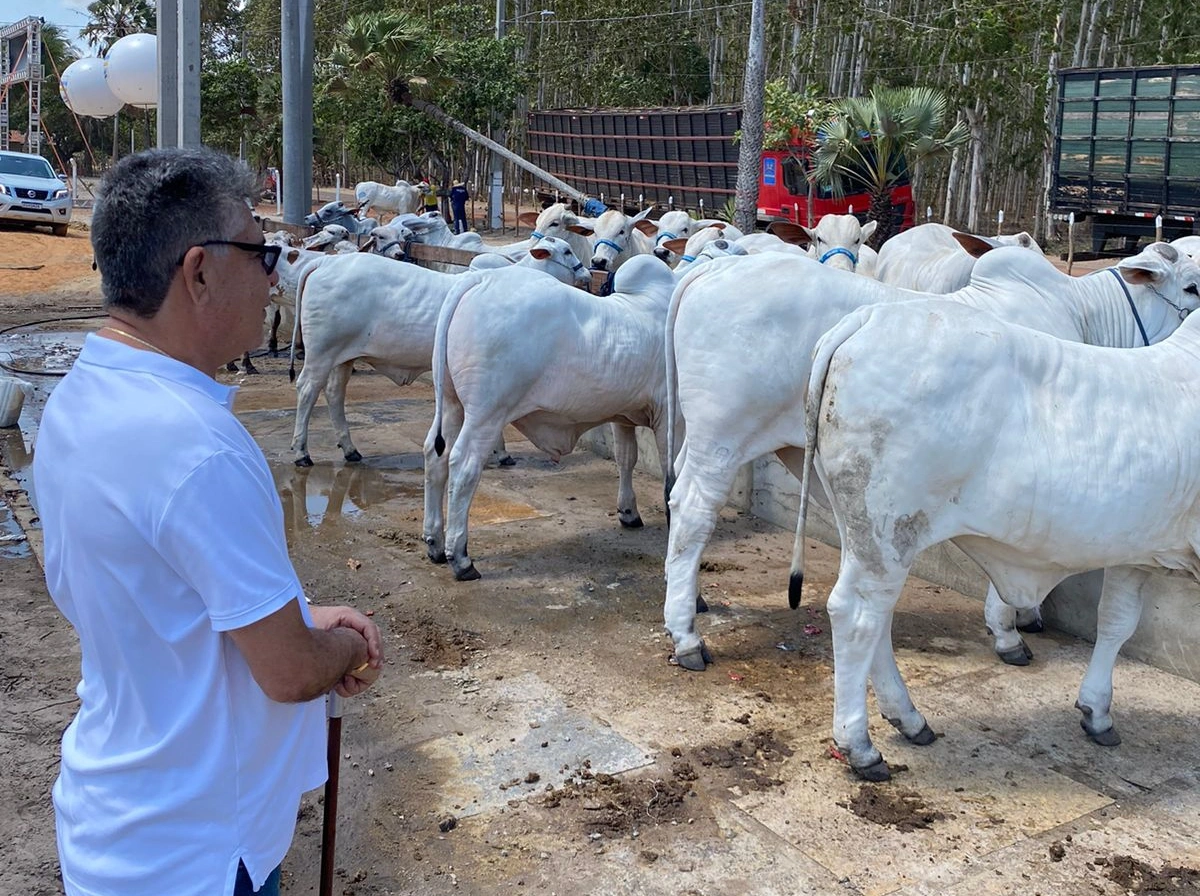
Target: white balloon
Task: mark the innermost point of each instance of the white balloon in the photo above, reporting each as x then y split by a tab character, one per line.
85	91
131	67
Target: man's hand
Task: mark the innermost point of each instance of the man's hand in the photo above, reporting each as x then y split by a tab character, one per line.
357	680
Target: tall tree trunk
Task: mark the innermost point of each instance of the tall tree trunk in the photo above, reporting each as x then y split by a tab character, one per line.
750	149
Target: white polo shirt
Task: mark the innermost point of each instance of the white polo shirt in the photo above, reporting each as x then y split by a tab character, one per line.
163	530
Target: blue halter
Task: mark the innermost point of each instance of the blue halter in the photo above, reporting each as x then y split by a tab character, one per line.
665	235
839	251
603	242
1132	307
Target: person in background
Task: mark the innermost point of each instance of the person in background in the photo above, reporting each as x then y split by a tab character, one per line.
458	205
428	196
201	719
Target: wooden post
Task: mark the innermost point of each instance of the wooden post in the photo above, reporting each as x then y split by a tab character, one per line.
1070	241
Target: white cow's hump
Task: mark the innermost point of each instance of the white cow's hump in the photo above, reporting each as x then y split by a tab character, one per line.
642	274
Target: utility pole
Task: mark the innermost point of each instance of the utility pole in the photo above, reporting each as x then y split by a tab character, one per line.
296	48
750	154
496	193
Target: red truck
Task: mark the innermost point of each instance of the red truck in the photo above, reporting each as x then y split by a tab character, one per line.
682	158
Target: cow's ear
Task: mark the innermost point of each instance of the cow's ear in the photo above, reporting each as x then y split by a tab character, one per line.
975	246
678	246
539	253
581	229
529	219
647	227
1148	267
795	234
869	229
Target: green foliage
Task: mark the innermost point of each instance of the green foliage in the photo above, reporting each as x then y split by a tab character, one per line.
865	143
228	102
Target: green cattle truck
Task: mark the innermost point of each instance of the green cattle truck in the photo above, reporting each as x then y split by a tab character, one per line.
1127	152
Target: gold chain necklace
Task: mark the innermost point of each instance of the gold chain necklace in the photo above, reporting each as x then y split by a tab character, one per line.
152	347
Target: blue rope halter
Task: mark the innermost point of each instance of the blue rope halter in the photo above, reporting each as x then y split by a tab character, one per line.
839	251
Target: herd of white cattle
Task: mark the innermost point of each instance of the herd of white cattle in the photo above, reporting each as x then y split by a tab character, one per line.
949	387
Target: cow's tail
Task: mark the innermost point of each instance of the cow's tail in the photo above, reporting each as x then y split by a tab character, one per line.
464	283
823	354
672	380
300	282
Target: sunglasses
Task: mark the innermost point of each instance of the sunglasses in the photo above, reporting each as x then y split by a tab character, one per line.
269	252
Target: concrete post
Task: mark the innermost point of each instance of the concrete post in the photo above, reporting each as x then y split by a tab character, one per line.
168	73
189	73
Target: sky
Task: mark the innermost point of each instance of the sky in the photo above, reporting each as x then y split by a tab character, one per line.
69	15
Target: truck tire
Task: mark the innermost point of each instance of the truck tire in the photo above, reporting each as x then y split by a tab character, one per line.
59	229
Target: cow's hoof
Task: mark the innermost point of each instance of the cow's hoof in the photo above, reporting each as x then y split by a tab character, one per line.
634	523
1033	628
231	367
468	574
507	461
305	461
694	660
250	368
435	555
1016	656
701	604
875	773
353	457
924	737
1108	738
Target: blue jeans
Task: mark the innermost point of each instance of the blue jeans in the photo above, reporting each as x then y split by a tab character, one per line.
243	886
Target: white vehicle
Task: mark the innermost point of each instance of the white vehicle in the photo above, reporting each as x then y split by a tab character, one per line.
31	193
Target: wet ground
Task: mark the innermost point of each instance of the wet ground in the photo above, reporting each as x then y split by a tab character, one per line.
530	735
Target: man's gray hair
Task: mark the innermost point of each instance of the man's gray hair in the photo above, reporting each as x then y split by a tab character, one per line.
154	206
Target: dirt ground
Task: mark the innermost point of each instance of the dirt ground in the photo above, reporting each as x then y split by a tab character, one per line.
529	733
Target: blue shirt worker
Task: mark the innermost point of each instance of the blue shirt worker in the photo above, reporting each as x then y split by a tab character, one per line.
203	667
458	205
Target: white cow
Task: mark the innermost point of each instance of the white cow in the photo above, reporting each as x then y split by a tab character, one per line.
338	213
554	362
555	220
1189	245
929	258
839	241
404	198
692	248
679	225
1039	458
618	237
737	371
549	255
367	307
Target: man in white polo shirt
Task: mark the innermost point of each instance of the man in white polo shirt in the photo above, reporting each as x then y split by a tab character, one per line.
200	723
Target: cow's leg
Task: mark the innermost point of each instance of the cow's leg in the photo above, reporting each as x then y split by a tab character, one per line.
625	450
500	453
308	386
1001	621
891	693
1120	608
247	365
1029	619
467	458
273	339
860	610
335	397
437	471
700	492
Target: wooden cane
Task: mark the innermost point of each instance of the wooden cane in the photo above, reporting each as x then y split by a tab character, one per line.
333	754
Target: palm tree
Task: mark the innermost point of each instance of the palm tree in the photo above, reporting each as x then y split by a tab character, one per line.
111	20
870	141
